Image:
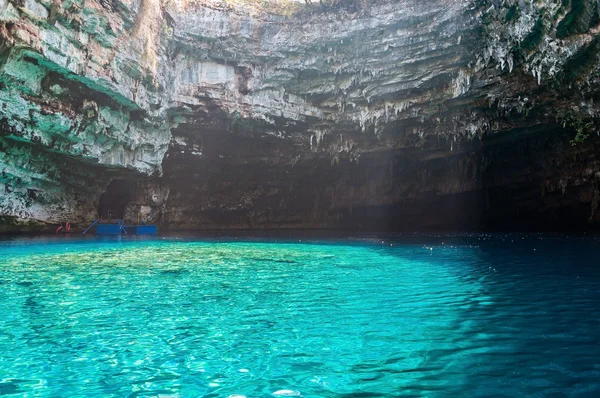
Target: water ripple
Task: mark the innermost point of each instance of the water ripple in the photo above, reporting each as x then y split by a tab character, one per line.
484	316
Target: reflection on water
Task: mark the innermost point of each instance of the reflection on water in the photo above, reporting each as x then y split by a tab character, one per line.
501	315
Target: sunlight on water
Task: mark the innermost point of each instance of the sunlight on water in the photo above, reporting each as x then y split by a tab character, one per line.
355	318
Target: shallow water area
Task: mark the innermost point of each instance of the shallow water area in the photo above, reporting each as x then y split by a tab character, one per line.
423	315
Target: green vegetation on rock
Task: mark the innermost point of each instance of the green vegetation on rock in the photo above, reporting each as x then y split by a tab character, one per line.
534	37
573	21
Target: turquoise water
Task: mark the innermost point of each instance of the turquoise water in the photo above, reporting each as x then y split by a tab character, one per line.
505	315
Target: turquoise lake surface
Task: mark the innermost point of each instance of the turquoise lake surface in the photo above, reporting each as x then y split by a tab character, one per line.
432	316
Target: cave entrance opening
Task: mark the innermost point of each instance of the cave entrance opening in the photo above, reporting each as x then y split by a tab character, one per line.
114	201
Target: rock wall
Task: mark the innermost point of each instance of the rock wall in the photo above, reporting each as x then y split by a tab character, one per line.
392	116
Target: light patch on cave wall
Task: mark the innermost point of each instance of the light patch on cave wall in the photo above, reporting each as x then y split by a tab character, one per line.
206	73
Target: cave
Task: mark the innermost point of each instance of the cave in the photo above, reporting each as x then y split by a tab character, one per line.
333	198
113	203
351	126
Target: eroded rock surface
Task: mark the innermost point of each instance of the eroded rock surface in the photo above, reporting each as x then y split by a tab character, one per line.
396	115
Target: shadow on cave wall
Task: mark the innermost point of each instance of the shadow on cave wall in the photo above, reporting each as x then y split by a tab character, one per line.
114	201
516	180
541	182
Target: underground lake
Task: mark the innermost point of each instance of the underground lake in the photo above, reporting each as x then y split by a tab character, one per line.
404	315
299	198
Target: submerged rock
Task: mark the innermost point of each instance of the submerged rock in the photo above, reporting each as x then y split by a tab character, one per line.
391	115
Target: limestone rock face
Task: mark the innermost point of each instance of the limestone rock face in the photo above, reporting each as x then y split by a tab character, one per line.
397	115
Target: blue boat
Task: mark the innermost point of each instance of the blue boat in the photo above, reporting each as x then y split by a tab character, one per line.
144	229
118	227
107	229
